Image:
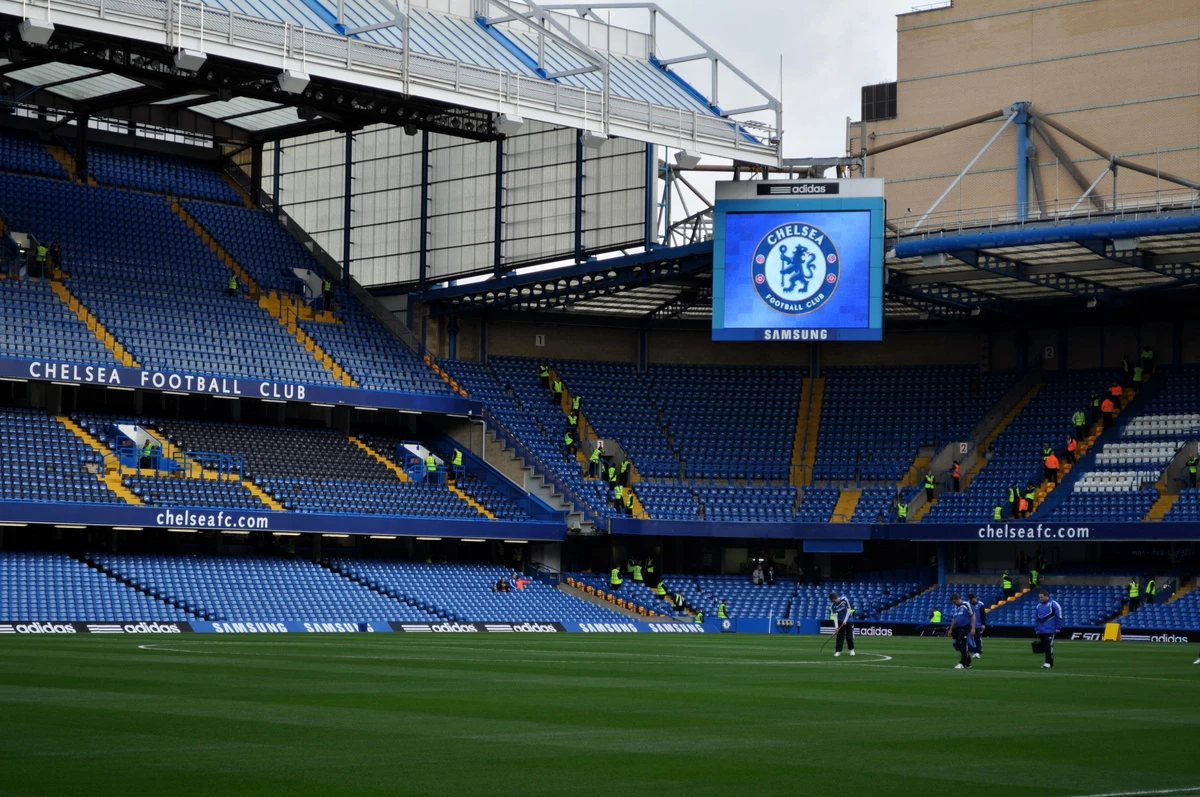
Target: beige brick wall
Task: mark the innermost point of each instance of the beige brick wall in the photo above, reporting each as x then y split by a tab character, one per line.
1124	73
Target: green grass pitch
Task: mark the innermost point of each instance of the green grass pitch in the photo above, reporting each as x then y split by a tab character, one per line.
617	715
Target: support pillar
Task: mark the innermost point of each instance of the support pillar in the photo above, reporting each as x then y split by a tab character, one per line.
649	220
452	338
423	243
1023	146
81	146
941	563
256	168
498	219
483	327
278	158
347	207
578	196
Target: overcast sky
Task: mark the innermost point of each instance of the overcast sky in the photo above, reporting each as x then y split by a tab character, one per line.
830	49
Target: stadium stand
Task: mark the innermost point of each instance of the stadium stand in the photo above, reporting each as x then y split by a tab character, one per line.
870	599
876	503
357	341
199	493
1187	508
24	153
1083	605
529	414
256	589
873	420
1045	420
818	504
617	403
463	592
669	501
154	284
632	592
30	307
1116	481
56	587
918	608
730	422
40	460
162	174
318	470
1181	614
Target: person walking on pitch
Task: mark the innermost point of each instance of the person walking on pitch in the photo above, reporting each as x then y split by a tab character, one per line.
1047	619
980	621
962	628
843	625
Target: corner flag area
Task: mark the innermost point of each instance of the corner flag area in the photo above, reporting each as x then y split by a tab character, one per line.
613	715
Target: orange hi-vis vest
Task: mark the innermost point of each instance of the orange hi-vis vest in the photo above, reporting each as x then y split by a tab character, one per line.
1107	406
1023	505
1072	444
1052	462
957	472
1115	391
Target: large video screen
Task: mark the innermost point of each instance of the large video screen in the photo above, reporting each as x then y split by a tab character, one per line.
798	269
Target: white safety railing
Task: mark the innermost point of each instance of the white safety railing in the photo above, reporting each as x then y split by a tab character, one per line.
1126	207
194	24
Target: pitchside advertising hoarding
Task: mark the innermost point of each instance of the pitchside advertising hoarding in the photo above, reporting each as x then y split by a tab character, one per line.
798	260
760	625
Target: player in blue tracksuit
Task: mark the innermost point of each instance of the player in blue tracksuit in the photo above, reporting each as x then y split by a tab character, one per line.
980	620
962	628
844	625
1047	619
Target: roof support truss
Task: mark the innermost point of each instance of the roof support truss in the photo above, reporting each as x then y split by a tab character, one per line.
550	289
950	296
546	25
680	304
1013	269
1184	273
922	304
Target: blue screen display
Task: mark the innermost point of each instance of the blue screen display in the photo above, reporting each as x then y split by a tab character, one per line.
798	274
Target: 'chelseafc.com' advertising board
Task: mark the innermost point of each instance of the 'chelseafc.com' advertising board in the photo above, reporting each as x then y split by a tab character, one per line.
798	260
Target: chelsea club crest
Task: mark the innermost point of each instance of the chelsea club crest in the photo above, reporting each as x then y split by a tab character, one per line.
796	268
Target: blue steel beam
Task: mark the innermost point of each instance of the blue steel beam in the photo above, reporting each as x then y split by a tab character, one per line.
1047	234
1022	122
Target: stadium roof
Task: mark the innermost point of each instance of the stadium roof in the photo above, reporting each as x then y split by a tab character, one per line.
1004	269
563	65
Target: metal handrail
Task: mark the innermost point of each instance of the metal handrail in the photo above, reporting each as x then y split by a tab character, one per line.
1132	205
539	467
285	40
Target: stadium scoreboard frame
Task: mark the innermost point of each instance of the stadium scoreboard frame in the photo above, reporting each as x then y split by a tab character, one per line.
798	260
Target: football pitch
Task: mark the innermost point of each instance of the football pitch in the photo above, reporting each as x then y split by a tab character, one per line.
638	714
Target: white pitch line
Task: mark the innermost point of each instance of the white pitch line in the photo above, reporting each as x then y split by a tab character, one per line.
1191	790
880	658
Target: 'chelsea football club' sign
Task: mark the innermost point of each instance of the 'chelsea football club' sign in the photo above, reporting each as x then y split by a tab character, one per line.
795	268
